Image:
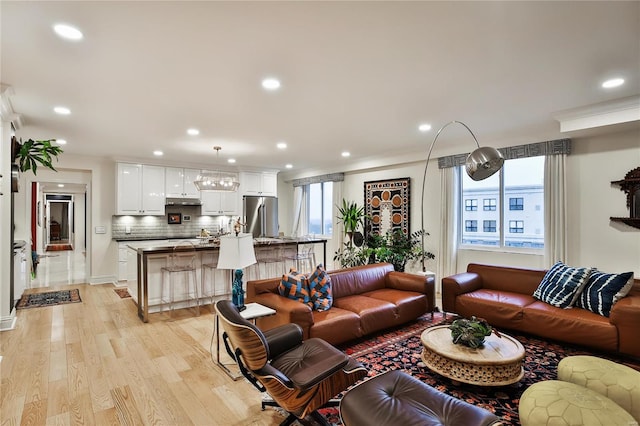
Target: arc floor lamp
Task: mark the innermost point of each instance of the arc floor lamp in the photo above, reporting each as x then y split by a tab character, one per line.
480	164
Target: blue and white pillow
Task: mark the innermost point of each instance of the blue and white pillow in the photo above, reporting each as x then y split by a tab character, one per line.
603	290
562	285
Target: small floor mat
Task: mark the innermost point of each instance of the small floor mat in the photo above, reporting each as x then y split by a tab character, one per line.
122	292
50	298
59	247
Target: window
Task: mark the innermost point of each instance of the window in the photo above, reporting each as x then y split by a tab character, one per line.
489	226
471	205
471	226
319	198
489	204
516	226
510	198
516	203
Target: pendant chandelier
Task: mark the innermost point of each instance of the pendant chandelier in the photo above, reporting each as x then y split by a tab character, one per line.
217	180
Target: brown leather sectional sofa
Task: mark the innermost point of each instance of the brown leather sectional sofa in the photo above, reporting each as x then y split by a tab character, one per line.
365	299
503	296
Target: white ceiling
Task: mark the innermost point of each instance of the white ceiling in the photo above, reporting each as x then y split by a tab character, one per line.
356	76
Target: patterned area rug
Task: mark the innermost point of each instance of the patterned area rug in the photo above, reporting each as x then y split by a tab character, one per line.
400	349
122	292
50	298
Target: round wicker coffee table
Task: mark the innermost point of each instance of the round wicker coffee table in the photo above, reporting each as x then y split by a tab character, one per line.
497	363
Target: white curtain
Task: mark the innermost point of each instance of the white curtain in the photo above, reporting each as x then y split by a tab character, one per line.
335	243
555	216
298	227
447	258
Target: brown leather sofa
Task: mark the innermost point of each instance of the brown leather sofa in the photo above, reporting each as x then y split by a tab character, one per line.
504	297
366	299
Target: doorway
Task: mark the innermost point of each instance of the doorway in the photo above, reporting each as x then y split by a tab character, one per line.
59	222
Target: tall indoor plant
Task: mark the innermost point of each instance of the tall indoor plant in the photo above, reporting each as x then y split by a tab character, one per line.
352	218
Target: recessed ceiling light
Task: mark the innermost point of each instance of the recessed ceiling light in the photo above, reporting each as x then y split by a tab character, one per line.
271	84
158	153
346	154
424	127
61	141
68	32
231	160
281	145
614	82
60	185
289	166
193	132
62	110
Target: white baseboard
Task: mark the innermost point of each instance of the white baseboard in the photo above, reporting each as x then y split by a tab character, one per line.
8	322
104	279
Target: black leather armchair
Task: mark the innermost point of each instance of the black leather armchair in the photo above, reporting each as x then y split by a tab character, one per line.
300	376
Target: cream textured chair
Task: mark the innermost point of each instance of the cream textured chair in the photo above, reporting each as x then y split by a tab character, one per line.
181	264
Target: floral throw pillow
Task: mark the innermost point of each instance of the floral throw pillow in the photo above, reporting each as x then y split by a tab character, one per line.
320	291
295	286
562	285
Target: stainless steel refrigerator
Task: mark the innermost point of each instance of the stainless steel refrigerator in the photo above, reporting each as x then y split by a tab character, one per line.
260	215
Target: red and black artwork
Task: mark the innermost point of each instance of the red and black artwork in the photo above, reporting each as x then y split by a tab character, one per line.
387	206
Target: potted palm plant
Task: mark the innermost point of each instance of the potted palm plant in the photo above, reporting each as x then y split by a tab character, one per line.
352	218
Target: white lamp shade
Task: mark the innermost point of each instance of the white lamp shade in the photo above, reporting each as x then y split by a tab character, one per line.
236	252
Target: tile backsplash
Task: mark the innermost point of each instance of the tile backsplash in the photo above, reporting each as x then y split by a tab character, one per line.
145	227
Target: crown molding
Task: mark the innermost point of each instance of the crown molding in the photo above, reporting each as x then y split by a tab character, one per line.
602	114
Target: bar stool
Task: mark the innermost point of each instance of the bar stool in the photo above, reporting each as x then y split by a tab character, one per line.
305	259
182	263
212	267
269	256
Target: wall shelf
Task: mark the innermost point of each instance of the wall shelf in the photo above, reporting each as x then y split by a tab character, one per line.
631	221
631	186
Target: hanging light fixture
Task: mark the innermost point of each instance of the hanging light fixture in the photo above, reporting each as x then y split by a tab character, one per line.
218	180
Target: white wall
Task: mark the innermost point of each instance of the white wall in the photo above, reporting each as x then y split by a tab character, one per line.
593	239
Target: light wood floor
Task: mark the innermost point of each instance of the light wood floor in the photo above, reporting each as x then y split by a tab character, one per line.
96	363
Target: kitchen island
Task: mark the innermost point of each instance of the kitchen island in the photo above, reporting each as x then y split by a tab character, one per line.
149	260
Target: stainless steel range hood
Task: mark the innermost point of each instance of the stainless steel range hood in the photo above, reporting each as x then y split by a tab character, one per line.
183	202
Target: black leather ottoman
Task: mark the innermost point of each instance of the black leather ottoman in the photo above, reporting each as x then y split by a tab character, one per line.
395	398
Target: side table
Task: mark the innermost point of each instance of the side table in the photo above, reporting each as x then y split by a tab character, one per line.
253	312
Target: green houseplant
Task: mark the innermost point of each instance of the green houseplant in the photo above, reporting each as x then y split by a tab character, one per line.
394	247
397	248
30	153
352	217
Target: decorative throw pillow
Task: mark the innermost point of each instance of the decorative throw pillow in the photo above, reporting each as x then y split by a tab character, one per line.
561	285
295	286
603	290
320	289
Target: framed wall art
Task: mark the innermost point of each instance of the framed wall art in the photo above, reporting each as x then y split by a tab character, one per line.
174	218
387	206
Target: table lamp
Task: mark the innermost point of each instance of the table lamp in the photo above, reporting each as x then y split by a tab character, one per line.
236	252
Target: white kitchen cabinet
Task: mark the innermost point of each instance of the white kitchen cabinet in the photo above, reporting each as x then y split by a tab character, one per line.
259	183
140	190
219	203
179	182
